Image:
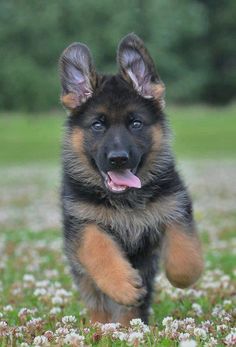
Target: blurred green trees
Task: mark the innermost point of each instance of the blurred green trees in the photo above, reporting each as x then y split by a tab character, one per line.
192	42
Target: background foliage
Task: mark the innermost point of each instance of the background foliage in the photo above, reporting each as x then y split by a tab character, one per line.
190	40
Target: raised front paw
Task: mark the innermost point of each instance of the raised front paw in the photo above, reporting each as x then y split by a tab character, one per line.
126	287
183	258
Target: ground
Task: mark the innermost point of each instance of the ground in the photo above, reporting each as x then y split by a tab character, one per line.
39	305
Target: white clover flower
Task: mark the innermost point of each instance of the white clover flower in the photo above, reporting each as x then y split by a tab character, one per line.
167	321
34	322
8	308
206	324
62	331
227	318
26	311
28	278
40	341
120	335
23	311
51	273
109	327
135	336
230	339
211	343
1	315
3	324
74	339
4	331
221	328
188	343
16	291
184	336
40	292
57	300
145	329
62	292
227	302
174	325
138	323
49	334
42	284
86	330
197	309
216	310
189	328
199	332
189	320
68	319
55	310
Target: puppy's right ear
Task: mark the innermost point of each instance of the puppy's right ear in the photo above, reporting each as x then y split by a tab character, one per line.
78	76
138	69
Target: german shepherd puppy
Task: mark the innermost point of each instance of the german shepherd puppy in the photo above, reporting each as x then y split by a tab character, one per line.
124	203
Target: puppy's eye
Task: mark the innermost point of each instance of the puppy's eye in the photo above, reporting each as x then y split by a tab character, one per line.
98	125
136	124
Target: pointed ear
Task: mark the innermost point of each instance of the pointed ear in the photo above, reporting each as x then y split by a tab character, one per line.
78	76
137	67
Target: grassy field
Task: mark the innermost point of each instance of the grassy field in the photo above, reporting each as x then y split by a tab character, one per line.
39	306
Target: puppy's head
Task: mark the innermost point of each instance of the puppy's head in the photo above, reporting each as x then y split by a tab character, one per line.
116	129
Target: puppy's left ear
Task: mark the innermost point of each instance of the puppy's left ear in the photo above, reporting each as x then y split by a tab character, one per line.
137	67
78	75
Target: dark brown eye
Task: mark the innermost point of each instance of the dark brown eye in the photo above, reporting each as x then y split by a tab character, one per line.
98	126
136	124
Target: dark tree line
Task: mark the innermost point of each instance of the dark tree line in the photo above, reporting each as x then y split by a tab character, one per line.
192	42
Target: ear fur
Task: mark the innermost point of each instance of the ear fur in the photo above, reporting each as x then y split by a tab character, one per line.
78	76
137	67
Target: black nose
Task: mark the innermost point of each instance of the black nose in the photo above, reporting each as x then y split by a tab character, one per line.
118	158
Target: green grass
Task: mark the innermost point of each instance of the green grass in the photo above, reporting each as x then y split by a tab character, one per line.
202	131
199	132
30	138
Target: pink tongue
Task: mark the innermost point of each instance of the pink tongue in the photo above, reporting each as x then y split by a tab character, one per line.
125	178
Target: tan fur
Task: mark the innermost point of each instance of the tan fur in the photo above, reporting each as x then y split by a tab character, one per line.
158	90
105	263
77	139
157	136
70	101
78	164
160	143
182	257
127	220
99	317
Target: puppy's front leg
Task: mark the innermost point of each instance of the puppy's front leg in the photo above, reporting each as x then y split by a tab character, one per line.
105	263
183	260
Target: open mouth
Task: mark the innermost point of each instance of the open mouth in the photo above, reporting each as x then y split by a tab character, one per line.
120	181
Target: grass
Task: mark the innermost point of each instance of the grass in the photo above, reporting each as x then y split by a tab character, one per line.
39	305
204	132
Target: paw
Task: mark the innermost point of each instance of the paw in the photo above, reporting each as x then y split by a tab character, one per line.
127	288
131	291
183	258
